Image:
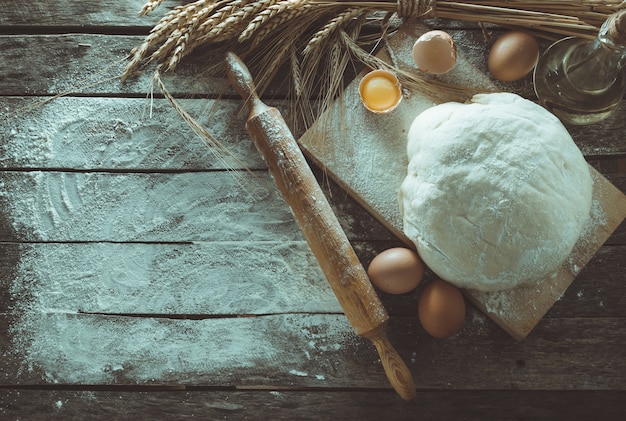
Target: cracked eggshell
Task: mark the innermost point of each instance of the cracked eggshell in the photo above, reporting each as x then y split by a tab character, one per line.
434	52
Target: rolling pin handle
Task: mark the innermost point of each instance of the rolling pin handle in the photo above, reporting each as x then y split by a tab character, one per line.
240	77
396	370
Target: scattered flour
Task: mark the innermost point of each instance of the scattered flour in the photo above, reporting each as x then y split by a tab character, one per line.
87	349
218	278
196	206
136	247
515	305
120	133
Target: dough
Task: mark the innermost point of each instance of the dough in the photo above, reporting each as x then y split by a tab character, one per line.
496	194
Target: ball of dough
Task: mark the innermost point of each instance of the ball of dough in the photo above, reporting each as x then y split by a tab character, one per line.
496	193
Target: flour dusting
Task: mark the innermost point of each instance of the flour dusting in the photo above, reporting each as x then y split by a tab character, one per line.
121	133
515	305
169	271
197	206
202	278
87	349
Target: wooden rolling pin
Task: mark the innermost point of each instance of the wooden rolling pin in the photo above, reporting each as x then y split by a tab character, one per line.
320	226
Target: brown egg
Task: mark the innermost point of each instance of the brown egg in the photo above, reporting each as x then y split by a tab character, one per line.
396	271
434	52
441	309
513	56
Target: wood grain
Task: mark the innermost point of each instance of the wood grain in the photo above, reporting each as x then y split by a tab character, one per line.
198	272
305	361
74	64
301	350
307	404
146	207
268	276
101	133
87	13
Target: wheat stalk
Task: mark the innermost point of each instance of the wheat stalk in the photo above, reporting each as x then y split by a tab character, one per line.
273	10
332	26
221	14
219	150
149	7
205	21
182	41
319	31
165	31
268	27
233	23
296	72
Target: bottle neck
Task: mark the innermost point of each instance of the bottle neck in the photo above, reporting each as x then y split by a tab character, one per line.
596	65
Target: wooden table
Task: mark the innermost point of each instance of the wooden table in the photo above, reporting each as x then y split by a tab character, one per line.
142	277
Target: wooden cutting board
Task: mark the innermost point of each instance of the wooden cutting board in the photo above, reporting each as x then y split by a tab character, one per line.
365	153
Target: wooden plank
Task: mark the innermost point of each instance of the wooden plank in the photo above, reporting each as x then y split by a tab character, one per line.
83	63
279	404
555	356
304	350
164	207
86	13
214	278
372	167
122	133
65	348
91	64
198	279
175	207
138	133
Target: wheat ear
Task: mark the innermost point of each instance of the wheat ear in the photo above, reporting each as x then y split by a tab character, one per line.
164	30
331	27
236	21
149	7
279	8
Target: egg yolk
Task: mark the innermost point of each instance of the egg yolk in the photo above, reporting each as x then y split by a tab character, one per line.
380	92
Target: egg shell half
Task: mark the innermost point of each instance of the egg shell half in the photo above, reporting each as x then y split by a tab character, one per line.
434	52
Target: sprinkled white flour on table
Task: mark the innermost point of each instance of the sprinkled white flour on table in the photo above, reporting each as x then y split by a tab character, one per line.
195	206
67	348
119	133
117	254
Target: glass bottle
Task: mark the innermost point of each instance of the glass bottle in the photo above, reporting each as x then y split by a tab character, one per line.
582	81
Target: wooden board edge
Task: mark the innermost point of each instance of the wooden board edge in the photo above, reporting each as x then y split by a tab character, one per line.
612	204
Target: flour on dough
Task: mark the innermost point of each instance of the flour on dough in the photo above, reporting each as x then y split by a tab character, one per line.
496	194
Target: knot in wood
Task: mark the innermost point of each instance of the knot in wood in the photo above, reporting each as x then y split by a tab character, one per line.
416	8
